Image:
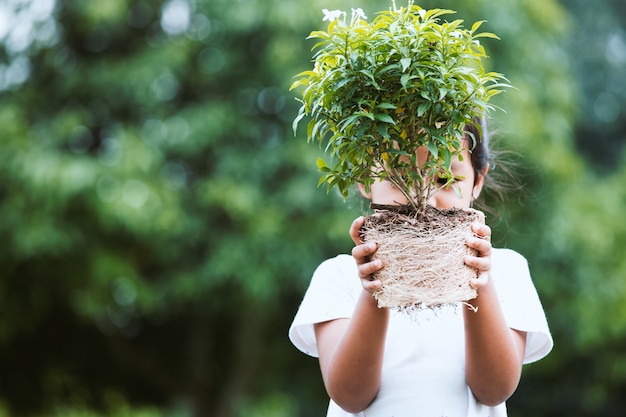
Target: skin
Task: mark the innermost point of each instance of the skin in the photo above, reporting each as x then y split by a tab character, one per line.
351	350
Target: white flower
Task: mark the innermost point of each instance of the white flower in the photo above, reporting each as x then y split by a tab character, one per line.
331	15
358	14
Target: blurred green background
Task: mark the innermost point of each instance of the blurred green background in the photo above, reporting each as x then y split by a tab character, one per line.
160	222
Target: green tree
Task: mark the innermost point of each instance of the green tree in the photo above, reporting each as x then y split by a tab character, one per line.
160	223
159	219
598	43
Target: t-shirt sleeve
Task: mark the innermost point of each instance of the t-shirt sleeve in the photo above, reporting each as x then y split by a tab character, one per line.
332	294
520	303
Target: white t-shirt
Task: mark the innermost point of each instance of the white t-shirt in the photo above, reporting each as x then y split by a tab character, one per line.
423	371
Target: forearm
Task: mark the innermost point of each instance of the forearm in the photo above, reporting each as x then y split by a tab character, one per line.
494	352
352	368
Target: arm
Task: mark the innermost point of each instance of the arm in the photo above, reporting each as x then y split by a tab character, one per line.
351	350
494	352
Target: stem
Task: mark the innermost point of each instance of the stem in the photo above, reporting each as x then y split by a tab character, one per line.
401	185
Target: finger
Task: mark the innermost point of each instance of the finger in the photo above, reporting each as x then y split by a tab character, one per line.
479	282
482	245
371	286
481	229
481	264
355	230
362	252
368	268
481	215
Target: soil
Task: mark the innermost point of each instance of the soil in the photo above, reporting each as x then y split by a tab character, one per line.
432	218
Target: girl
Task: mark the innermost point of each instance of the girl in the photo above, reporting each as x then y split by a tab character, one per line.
454	361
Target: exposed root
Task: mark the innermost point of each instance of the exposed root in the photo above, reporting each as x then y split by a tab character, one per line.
423	259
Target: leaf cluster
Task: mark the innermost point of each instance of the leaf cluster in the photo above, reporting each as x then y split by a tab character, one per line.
380	91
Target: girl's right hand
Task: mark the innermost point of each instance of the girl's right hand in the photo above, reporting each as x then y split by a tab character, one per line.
362	254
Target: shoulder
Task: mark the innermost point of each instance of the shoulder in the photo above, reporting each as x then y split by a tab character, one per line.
337	275
342	260
341	264
332	294
505	255
520	301
510	267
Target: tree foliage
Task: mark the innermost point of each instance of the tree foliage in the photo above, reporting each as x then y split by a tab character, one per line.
160	222
380	91
153	209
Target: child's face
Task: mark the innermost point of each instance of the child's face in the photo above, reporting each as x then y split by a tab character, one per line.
384	192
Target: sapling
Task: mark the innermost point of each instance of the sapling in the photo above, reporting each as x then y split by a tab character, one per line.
380	91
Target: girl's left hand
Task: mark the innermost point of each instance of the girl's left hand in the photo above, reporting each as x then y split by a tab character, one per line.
481	241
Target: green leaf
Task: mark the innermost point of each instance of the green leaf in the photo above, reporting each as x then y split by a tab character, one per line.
487	35
441	139
447	157
457	191
422	108
432	148
404	80
406	63
383	131
384	118
476	25
366	114
294	125
370	76
318	34
396	151
321	165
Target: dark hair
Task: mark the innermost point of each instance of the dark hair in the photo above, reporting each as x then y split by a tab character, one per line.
479	140
482	156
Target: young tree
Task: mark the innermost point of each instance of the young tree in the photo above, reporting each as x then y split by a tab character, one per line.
158	217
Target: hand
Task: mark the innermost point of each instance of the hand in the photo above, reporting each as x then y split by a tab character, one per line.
362	254
481	241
